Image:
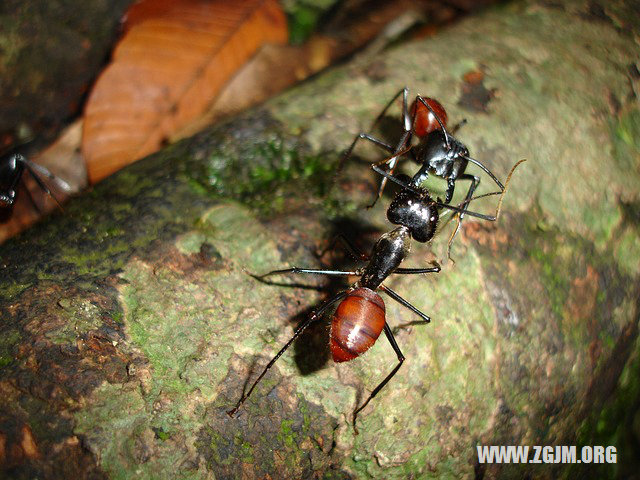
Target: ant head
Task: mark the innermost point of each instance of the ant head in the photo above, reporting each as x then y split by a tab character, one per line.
415	210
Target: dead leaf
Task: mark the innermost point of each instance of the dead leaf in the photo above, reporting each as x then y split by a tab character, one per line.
166	71
276	67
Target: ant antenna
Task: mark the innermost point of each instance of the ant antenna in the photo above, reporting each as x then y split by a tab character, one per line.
498	208
485	170
458	208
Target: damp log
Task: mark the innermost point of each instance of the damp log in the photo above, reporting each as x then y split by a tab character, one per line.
130	324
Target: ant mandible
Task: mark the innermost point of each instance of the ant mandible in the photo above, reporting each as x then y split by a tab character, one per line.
360	316
12	168
438	152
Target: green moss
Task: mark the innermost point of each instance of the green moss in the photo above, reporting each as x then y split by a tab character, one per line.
262	170
287	436
11	43
303	17
625	132
247	452
555	281
7	340
610	425
81	317
627	251
117	317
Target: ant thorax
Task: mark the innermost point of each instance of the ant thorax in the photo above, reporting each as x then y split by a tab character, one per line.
442	159
387	255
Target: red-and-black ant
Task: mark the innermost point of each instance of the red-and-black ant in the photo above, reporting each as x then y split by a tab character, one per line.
439	153
12	168
360	316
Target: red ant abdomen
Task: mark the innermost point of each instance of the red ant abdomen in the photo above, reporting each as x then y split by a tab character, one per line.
356	324
425	122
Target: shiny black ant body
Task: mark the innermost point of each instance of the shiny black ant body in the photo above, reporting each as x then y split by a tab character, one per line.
438	153
12	168
360	316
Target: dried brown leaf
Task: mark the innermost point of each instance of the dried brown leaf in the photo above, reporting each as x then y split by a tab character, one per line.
166	71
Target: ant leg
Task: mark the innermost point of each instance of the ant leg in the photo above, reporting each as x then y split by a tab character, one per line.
47	173
392	161
396	349
365	136
32	200
404	144
407	125
417	190
315	316
469	198
408	271
303	270
459	208
401	145
349	151
502	193
489	172
350	247
404	303
475	181
405	110
39	181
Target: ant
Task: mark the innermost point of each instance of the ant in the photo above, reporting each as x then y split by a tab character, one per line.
360	316
12	168
438	152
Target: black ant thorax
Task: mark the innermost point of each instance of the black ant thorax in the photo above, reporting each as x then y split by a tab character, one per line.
387	255
442	155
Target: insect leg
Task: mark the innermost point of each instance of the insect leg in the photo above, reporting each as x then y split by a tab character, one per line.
425	318
364	136
41	184
47	173
315	316
349	246
475	181
403	144
303	270
396	349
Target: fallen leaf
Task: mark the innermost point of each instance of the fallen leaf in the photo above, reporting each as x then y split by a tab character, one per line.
166	72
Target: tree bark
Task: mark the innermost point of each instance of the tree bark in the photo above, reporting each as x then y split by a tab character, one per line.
130	323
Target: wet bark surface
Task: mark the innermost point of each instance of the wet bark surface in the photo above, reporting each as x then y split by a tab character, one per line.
130	323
